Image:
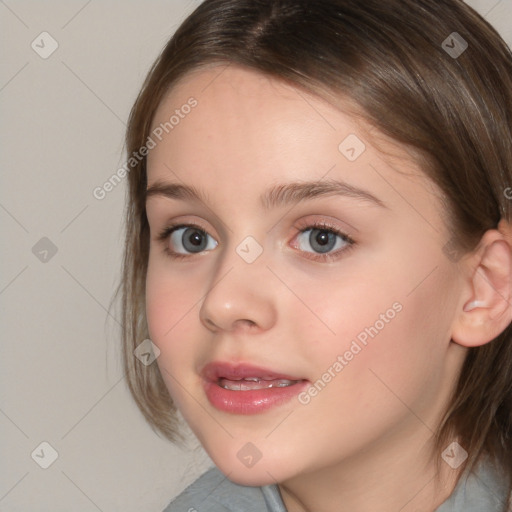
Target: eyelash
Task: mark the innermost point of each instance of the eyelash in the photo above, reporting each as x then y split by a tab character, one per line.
164	235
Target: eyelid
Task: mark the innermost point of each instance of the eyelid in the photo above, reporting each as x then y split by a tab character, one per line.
185	221
327	222
180	223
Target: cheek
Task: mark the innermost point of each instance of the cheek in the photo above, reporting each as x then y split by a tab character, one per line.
337	309
171	306
383	334
169	298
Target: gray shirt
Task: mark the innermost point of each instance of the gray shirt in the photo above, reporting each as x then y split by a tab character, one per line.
481	491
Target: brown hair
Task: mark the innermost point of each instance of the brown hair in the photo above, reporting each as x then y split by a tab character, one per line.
392	59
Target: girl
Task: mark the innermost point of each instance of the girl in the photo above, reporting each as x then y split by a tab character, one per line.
318	248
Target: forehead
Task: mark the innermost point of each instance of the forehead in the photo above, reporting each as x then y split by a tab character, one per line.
227	82
240	105
241	108
248	130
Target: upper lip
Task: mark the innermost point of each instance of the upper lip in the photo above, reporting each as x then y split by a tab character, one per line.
225	370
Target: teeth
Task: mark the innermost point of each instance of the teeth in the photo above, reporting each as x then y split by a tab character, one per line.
283	383
252	383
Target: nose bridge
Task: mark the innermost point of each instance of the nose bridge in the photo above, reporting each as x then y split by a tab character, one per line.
238	293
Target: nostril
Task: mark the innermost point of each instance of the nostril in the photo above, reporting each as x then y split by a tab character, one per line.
249	323
210	324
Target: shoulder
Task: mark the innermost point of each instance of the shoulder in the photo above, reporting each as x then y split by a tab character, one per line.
213	492
484	488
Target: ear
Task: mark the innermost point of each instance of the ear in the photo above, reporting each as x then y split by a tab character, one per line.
486	307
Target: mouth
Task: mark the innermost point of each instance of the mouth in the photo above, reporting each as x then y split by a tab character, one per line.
246	389
252	383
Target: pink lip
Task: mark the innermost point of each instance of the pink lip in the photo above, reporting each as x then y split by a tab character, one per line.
250	401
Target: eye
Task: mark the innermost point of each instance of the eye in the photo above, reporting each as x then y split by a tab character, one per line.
322	240
185	240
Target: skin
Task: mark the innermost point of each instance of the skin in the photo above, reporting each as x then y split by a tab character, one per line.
364	442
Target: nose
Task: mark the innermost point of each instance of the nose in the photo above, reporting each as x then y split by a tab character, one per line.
240	297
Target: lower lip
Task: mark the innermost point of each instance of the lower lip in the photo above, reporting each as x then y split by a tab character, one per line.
250	402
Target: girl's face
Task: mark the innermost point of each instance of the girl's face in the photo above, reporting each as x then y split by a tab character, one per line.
297	287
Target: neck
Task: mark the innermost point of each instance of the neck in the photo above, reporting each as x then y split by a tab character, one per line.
402	478
397	472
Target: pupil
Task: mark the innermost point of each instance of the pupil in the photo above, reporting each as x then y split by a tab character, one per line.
196	238
193	240
322	240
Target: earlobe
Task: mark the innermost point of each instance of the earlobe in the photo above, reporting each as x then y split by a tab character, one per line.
487	309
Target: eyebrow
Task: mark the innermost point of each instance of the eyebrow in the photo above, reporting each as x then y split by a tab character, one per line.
278	195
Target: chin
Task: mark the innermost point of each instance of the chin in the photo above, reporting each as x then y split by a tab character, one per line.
250	477
263	472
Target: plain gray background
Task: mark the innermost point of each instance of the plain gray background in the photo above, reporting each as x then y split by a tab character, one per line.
61	131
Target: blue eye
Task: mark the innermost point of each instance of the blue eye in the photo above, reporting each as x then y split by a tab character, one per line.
321	240
189	240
